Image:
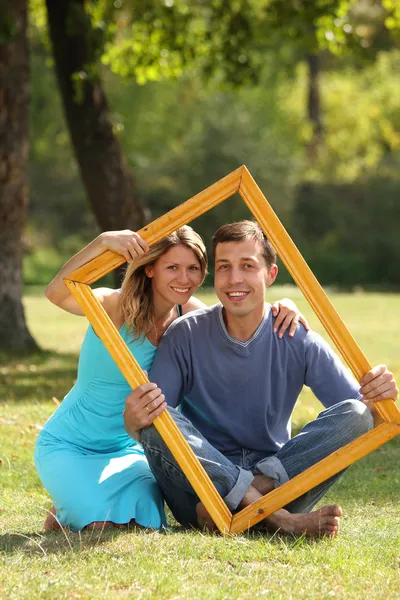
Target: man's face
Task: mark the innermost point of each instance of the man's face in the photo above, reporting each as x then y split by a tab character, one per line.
242	277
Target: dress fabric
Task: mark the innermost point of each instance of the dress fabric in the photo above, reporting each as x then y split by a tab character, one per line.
85	459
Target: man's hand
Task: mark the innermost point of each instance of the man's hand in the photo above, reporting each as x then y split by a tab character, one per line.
379	384
144	404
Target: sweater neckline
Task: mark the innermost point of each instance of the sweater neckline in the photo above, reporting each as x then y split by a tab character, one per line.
267	309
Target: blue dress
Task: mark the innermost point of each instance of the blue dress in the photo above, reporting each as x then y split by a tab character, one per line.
85	459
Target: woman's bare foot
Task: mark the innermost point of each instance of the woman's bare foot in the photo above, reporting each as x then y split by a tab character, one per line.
108	524
51	523
100	525
322	522
203	518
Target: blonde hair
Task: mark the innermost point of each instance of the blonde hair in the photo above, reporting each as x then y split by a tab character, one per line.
136	299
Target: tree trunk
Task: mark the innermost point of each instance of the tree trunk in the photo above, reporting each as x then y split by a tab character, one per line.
109	186
314	105
14	136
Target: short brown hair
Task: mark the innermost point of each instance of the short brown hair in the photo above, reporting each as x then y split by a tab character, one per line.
244	230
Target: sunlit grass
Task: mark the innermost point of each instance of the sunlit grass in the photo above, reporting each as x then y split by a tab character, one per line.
363	562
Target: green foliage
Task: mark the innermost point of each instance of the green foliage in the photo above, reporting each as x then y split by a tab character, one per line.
180	135
361	116
232	42
349	233
346	212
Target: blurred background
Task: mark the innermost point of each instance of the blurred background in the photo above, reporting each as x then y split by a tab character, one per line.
113	112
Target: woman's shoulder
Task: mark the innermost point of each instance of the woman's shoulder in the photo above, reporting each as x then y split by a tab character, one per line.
110	300
191	305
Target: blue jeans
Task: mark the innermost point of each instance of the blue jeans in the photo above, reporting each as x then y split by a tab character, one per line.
233	473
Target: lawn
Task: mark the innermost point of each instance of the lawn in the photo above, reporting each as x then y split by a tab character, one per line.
362	562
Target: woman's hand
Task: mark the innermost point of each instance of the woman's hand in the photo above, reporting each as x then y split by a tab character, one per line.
287	316
126	242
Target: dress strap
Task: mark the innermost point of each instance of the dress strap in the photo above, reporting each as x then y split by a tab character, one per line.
179	309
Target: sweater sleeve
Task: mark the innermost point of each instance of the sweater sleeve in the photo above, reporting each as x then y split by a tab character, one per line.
170	366
328	378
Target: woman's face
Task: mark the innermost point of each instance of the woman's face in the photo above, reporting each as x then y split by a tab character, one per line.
176	275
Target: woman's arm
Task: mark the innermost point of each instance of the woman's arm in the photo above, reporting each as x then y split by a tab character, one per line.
128	243
286	312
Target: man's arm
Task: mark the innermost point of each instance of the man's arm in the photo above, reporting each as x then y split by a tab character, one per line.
332	382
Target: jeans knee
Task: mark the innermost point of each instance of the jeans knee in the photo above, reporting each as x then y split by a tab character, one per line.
357	417
150	437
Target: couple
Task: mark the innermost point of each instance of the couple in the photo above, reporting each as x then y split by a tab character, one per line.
235	379
95	473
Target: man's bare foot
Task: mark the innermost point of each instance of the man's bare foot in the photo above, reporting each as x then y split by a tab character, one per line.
322	522
319	523
205	521
51	523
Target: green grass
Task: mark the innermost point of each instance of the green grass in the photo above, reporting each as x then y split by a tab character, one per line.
363	562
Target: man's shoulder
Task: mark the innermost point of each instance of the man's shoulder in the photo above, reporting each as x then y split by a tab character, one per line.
312	339
196	319
304	343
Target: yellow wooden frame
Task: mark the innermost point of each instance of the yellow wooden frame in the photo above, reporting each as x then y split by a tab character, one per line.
388	422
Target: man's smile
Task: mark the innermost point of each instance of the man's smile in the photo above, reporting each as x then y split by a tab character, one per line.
237	296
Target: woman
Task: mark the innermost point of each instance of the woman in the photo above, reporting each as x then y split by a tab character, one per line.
95	473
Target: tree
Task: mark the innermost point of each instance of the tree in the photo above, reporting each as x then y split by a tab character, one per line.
14	101
76	49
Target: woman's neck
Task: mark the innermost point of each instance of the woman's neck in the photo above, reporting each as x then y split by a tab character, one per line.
164	313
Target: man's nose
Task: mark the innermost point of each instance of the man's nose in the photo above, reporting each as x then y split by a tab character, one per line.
236	275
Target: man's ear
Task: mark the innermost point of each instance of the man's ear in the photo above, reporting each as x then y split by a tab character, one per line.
272	275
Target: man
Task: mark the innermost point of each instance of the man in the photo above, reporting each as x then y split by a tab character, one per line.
237	383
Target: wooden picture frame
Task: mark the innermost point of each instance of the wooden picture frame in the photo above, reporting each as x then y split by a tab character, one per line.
387	424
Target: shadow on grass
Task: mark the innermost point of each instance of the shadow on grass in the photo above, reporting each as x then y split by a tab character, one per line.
41	375
35	543
64	542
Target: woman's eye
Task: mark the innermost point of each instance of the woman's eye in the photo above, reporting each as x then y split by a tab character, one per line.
171	267
194	268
